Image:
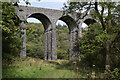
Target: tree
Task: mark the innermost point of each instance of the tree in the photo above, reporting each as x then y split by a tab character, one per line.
108	16
11	42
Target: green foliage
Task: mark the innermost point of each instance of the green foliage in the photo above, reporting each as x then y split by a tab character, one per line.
102	38
35	40
92	46
62	41
113	74
37	68
11	42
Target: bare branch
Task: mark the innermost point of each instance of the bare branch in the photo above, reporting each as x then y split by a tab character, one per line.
99	16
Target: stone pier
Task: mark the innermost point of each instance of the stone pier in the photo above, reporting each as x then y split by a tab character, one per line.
49	17
23	37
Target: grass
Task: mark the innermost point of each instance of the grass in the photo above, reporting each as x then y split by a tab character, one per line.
36	68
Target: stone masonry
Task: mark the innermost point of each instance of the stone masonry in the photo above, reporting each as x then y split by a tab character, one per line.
49	17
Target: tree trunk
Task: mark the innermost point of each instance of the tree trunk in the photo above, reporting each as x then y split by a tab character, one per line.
107	66
109	26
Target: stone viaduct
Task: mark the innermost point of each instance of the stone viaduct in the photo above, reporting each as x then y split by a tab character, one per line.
49	17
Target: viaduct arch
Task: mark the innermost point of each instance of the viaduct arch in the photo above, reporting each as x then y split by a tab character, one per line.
49	17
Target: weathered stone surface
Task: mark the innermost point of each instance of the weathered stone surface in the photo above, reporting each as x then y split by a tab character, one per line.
50	45
45	46
54	46
49	17
23	37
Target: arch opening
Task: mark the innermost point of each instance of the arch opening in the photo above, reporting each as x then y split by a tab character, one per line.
34	38
38	23
69	21
66	28
62	39
86	23
33	20
44	20
49	36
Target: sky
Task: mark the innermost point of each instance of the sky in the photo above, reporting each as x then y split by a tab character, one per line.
51	4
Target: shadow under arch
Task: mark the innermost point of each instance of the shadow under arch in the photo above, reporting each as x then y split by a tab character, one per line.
89	21
43	18
69	21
